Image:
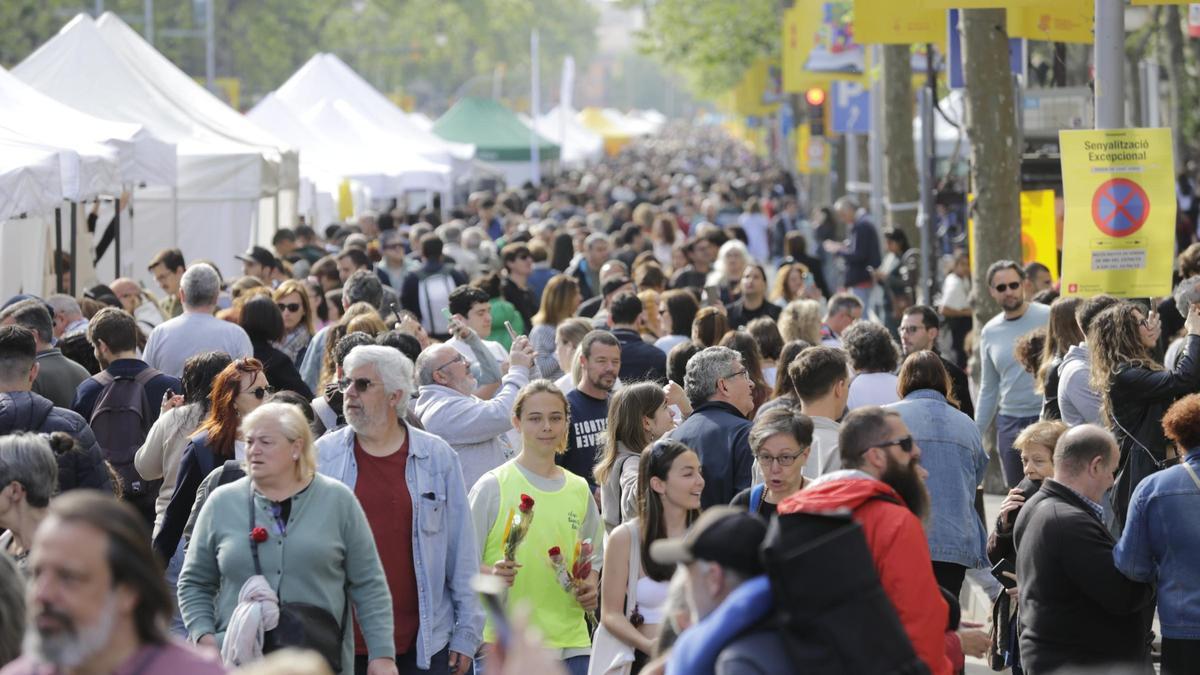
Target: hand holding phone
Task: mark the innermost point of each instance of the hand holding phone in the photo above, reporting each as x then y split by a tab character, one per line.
512	333
1006	573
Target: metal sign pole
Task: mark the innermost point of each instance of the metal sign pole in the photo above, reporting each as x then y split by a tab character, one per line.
1110	64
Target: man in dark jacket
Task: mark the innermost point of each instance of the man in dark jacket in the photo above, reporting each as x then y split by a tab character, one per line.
23	410
113	334
860	250
640	360
722	396
586	269
1077	609
58	376
426	292
919	329
730	594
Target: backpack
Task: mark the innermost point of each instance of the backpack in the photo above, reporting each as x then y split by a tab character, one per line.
826	624
433	295
121	421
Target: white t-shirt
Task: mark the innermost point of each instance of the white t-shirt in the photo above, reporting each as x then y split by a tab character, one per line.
956	292
872	389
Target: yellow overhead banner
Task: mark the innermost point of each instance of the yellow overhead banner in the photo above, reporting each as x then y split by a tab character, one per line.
800	22
756	82
1063	21
1119	235
887	22
977	4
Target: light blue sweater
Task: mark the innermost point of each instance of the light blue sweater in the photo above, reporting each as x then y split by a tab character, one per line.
1005	386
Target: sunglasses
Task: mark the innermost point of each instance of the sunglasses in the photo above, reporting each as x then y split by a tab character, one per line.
289	306
1011	286
261	392
360	384
906	444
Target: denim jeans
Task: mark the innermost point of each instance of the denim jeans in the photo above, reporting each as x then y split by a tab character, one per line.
1007	430
406	664
576	665
174	567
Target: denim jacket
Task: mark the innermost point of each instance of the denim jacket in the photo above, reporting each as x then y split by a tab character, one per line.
444	552
952	452
1161	544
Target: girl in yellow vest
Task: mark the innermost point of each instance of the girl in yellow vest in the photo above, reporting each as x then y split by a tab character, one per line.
564	512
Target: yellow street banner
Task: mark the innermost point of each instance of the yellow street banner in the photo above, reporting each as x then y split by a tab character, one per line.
887	22
800	22
812	152
748	95
1119	234
1039	235
1061	21
977	4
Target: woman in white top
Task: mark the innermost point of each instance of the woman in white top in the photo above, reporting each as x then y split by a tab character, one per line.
663	235
956	306
669	487
732	259
755	223
874	357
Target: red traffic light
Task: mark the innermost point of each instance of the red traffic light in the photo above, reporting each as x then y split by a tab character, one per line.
815	96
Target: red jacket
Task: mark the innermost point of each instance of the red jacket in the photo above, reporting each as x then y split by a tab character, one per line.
897	542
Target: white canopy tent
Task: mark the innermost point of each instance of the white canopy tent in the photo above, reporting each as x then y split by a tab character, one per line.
225	163
579	144
325	76
31	186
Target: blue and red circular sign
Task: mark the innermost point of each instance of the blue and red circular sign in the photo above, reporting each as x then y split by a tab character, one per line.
1120	207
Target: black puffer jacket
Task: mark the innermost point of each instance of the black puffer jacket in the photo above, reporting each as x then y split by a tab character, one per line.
27	411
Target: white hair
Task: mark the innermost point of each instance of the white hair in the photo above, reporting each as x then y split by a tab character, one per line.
719	274
395	370
201	285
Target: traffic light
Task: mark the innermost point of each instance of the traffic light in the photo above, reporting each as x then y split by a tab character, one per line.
814	99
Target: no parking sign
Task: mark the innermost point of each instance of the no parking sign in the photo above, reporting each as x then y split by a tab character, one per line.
1119	193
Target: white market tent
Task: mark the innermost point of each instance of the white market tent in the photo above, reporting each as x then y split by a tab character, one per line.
30	189
325	76
226	165
579	144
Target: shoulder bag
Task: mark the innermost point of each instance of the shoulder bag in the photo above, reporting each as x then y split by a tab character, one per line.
611	656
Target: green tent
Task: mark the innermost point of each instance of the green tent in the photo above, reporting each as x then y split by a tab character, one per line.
498	134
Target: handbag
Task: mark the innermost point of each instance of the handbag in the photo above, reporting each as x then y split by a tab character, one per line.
301	624
611	656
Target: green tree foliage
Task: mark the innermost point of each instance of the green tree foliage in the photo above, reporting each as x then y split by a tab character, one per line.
712	42
422	48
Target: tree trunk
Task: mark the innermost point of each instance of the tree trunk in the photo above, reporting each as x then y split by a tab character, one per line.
1180	91
995	165
899	152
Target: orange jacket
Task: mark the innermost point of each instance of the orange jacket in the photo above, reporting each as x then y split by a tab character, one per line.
901	553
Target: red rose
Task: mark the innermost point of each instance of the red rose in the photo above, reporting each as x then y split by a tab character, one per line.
526	503
258	535
555	551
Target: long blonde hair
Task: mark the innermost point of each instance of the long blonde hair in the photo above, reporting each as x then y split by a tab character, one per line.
1115	344
801	320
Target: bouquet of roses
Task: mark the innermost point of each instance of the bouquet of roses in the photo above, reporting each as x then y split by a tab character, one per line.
574	577
517	527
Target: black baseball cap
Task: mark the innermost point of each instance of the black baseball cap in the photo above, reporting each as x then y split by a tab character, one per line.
726	535
260	255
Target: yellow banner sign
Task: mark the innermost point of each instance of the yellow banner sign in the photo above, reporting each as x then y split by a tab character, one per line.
887	22
1063	21
1119	235
1039	234
977	4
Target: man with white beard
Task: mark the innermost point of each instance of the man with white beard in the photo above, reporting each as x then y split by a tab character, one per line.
96	603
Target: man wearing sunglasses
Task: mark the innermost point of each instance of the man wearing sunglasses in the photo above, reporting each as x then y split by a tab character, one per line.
1006	392
882	484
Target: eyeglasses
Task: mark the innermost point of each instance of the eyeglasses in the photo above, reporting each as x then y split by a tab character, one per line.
360	384
906	444
739	373
261	392
289	306
458	359
783	460
1011	286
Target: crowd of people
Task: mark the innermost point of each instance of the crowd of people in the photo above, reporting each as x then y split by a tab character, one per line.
548	429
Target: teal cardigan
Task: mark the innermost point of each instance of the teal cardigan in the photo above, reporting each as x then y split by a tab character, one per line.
328	546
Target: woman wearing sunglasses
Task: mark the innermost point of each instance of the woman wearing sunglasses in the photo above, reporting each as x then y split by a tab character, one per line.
295	304
952	452
780	441
265	325
236	392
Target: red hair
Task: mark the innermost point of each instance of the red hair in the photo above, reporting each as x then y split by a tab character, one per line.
222	421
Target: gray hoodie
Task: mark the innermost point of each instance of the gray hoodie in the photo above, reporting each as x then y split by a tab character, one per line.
1079	403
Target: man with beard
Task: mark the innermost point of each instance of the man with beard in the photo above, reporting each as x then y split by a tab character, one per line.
1006	391
437	617
600	356
882	485
448	407
96	602
919	331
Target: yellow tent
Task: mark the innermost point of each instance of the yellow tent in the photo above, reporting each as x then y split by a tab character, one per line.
595	120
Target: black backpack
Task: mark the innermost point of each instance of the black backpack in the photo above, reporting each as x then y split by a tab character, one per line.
121	420
829	601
